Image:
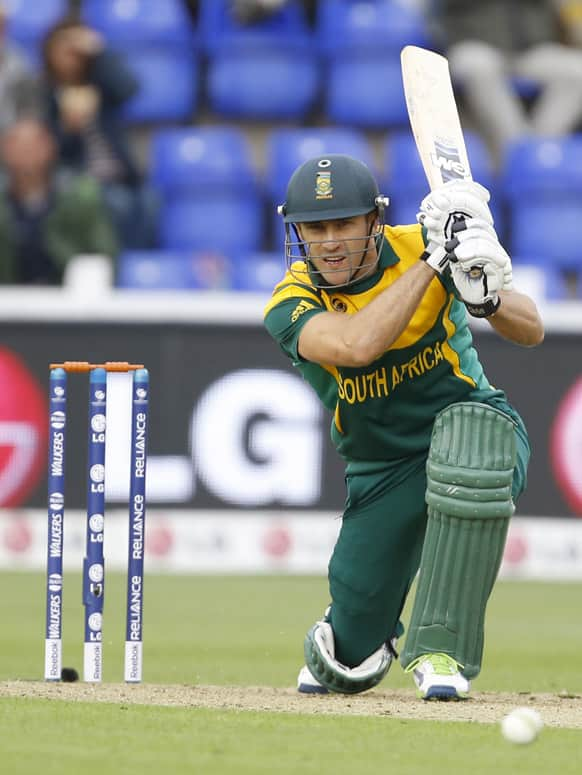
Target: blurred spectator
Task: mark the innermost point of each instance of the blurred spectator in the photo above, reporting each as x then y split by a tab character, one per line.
571	17
192	8
253	11
498	52
86	88
46	218
18	86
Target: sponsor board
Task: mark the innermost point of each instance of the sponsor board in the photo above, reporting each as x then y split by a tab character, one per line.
245	431
265	542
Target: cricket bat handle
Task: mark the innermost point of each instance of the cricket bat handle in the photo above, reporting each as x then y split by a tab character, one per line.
476	271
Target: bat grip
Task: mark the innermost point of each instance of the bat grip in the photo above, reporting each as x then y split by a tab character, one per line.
460	225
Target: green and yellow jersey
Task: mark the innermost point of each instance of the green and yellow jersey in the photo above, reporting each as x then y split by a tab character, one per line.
383	413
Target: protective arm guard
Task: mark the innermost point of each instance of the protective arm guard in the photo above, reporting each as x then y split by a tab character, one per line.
469	475
319	650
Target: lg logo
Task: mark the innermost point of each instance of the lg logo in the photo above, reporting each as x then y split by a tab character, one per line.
257	438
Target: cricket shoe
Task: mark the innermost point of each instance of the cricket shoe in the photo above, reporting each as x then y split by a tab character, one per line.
307	684
437	677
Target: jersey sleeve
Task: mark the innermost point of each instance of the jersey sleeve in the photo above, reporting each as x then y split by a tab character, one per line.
286	314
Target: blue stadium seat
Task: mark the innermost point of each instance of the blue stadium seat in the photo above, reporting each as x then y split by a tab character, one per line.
28	22
544	165
221	30
263	71
258	272
361	43
286	149
166	270
209	189
168	84
200	158
134	22
222	219
158	42
404	175
273	84
381	25
542	183
365	90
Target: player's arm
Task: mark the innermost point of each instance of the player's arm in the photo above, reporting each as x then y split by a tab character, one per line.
357	340
518	319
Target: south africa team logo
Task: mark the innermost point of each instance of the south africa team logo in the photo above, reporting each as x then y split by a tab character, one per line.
323	187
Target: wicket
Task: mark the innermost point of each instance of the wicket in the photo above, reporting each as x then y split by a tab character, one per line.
93	563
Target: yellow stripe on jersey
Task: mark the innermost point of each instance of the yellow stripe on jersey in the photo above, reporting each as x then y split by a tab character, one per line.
337	419
290	288
451	355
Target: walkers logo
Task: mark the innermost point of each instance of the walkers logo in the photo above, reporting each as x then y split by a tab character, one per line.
23	430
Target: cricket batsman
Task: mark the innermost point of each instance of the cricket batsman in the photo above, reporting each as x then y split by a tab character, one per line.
375	317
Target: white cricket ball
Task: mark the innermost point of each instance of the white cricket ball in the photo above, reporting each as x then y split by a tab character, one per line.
522	725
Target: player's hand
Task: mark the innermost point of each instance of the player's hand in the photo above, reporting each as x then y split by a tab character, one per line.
480	268
437	258
475	243
449	203
88	41
78	106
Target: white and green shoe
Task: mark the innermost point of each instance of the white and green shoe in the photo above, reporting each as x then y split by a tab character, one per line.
308	684
438	677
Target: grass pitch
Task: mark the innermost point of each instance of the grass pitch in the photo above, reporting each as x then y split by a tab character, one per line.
248	631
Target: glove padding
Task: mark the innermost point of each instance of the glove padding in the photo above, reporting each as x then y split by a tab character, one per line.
449	203
437	259
480	267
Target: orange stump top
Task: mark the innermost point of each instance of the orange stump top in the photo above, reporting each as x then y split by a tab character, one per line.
85	366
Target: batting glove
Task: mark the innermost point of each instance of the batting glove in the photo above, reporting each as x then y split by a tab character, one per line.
480	268
451	202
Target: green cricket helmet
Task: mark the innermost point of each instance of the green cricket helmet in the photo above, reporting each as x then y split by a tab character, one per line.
330	187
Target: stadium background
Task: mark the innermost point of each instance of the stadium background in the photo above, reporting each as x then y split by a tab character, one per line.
224	113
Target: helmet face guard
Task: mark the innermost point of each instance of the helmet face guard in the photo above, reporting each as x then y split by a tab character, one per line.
299	259
332	187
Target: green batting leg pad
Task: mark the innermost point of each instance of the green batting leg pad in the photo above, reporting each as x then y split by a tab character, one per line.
469	474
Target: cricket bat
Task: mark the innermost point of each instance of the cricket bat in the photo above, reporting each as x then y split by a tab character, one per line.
434	118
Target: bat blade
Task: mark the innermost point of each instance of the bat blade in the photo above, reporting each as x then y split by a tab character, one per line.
434	118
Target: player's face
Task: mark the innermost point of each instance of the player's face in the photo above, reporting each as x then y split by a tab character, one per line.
341	250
